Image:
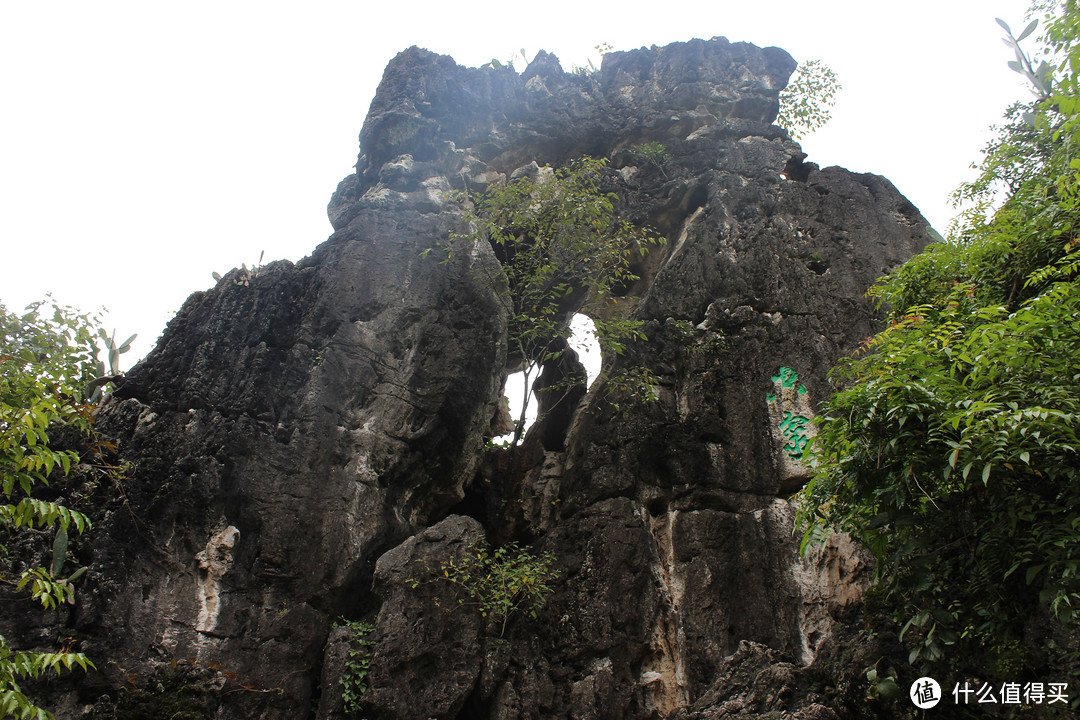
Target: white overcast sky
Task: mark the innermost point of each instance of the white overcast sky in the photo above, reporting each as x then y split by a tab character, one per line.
144	145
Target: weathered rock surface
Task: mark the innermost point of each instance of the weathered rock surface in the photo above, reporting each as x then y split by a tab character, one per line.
306	439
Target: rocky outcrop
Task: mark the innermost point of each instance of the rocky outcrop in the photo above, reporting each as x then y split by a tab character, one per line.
309	440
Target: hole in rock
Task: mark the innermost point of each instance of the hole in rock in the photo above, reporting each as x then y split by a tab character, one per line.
583	341
797	170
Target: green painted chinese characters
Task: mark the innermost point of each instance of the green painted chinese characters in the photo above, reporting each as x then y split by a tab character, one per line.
787	378
794	426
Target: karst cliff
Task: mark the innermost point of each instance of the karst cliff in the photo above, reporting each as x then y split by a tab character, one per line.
309	443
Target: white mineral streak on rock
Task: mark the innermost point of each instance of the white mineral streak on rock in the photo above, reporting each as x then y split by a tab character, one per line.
664	674
685	231
214	562
831	576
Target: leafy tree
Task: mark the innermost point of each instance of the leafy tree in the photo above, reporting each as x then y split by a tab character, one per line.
651	153
807	101
47	360
501	581
952	454
562	248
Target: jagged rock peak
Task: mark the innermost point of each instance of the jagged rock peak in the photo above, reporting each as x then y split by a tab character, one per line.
311	441
470	121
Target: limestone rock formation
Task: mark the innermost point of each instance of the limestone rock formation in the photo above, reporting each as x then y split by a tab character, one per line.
308	443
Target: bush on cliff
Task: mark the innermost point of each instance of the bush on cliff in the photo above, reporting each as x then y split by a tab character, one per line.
47	360
953	454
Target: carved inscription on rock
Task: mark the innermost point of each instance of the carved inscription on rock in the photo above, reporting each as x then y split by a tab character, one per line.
791	420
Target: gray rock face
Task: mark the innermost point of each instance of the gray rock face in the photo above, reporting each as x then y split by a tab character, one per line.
433	118
352	413
438	658
306	441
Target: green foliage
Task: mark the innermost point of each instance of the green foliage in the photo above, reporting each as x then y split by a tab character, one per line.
1041	76
651	153
562	249
699	340
49	587
633	385
354	679
501	581
807	101
15	665
46	359
94	390
51	343
882	687
245	275
1017	153
44	362
952	454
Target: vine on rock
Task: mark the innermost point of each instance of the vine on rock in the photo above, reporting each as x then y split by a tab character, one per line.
354	682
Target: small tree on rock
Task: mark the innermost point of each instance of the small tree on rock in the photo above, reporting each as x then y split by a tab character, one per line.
562	249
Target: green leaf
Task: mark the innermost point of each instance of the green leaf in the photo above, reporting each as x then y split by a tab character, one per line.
126	345
888	688
1032	572
1028	30
59	550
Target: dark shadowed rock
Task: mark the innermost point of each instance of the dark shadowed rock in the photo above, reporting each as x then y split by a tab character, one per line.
428	655
307	440
756	681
